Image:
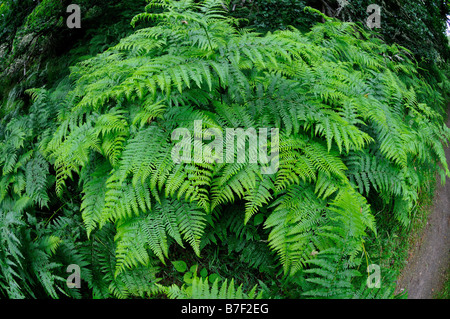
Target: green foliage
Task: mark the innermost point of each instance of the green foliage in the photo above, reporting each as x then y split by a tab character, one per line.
271	15
88	178
402	21
35	41
201	289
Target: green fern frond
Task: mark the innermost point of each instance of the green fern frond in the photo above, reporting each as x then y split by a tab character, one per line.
201	289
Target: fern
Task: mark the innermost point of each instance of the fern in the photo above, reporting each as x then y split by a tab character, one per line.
175	219
201	289
328	106
87	175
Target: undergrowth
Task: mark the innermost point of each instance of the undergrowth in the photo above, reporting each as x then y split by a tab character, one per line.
88	176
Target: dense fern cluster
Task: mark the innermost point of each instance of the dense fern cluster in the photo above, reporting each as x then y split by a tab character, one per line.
359	131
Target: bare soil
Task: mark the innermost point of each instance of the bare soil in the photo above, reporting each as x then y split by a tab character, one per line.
429	258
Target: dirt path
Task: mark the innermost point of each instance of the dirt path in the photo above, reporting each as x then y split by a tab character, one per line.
430	257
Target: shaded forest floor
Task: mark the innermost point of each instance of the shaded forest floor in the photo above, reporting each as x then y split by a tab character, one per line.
429	257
